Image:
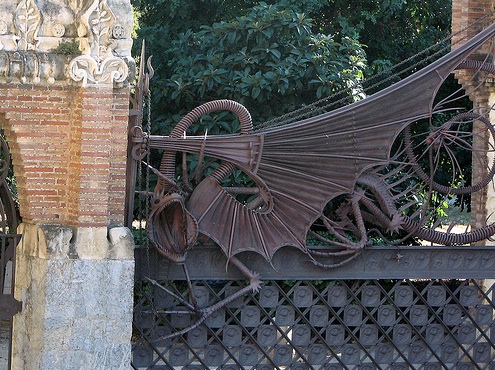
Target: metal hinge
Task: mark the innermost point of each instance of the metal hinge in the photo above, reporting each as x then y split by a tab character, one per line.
9	306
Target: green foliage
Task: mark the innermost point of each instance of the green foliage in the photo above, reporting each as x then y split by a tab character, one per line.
140	236
70	47
206	49
161	21
269	55
391	30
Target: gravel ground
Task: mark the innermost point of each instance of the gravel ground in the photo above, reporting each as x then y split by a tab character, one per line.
4	345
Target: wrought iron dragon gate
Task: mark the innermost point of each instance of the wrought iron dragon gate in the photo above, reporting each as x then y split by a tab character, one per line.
333	187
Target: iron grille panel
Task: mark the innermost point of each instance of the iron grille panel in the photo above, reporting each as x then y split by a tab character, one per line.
354	324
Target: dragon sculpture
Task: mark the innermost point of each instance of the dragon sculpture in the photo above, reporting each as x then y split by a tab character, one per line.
337	177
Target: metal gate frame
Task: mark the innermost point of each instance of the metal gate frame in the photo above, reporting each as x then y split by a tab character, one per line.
9	306
9	220
429	310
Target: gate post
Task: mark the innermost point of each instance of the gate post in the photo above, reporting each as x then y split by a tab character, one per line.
464	14
64	72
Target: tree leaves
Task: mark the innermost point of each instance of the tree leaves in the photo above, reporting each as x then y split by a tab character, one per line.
213	49
269	54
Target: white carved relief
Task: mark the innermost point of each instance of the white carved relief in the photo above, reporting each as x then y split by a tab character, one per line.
101	22
4	65
29	67
3	27
27	21
58	30
87	70
82	9
47	69
101	27
118	31
100	66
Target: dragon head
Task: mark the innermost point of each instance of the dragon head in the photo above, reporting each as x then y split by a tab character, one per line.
170	227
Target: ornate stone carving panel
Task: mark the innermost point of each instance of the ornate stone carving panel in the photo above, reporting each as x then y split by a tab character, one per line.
30	67
31	31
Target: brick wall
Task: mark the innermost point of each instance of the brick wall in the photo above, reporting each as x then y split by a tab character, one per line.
69	152
466	13
467	20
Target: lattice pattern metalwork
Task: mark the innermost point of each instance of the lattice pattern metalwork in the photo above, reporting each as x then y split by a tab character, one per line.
355	324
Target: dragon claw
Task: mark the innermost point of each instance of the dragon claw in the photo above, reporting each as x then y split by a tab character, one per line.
255	283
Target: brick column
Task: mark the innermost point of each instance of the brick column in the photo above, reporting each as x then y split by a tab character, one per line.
96	157
65	118
464	14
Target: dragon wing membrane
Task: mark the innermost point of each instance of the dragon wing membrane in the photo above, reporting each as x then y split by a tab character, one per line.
307	163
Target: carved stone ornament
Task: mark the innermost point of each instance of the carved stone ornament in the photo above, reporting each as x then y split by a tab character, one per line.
3	27
58	30
118	31
87	70
30	67
35	28
27	21
101	22
98	65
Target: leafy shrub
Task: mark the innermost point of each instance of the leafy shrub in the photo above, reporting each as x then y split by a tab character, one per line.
269	60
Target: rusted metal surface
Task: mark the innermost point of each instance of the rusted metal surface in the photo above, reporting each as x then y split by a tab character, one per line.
9	218
141	91
9	306
207	262
300	167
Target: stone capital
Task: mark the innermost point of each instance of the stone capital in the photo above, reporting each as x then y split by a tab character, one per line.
60	242
85	42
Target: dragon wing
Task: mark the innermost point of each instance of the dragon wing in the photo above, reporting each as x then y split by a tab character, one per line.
307	163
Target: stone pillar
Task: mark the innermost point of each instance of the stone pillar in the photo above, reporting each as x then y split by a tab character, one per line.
77	311
65	68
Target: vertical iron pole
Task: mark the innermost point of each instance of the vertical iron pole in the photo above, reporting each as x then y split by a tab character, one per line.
135	121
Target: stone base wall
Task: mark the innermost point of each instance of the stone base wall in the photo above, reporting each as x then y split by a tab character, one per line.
77	302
